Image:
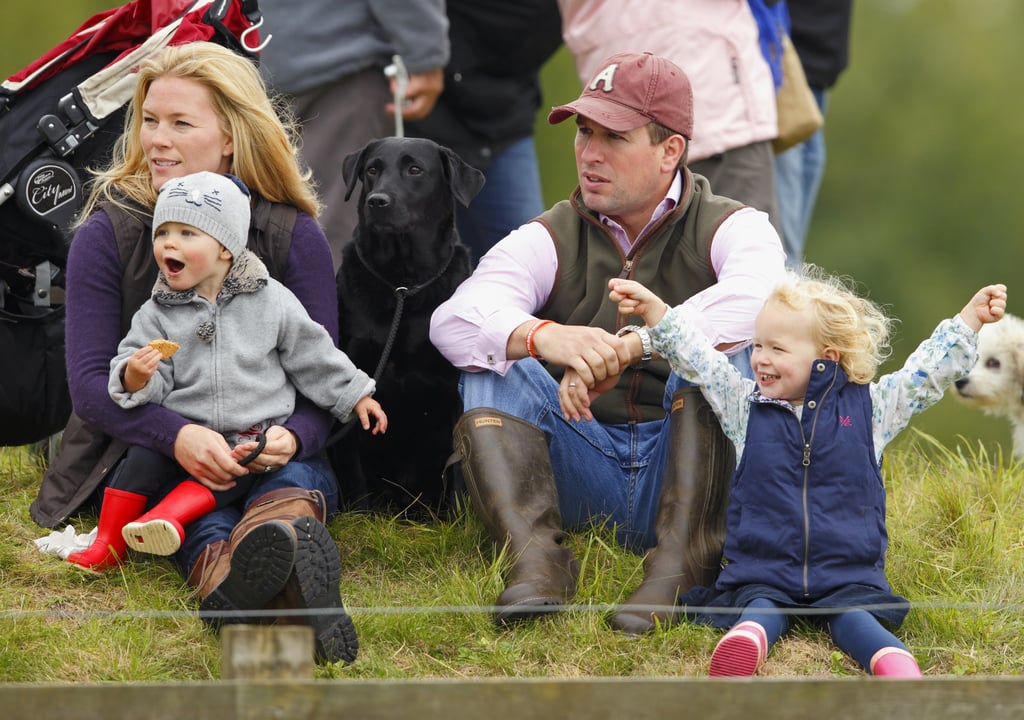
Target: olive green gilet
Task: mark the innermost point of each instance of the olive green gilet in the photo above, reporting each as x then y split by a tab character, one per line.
672	259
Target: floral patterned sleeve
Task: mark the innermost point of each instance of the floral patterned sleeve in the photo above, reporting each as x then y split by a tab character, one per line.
692	357
947	355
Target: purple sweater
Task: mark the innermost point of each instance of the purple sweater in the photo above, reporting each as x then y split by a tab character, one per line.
93	331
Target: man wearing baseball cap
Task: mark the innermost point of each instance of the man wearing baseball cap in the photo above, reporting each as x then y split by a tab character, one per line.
569	420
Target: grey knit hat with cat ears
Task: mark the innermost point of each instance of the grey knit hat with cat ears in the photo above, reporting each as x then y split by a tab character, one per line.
214	203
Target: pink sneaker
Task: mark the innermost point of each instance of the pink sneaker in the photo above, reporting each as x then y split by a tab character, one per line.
741	652
894	662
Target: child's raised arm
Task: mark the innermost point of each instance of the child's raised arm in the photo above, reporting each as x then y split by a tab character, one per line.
987	306
635	299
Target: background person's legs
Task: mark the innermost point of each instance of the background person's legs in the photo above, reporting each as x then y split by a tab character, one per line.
798	175
337	119
511	196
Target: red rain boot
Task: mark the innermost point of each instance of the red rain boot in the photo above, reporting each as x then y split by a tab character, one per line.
894	662
161	531
107	550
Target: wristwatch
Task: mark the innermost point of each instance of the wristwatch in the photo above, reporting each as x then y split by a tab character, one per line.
647	347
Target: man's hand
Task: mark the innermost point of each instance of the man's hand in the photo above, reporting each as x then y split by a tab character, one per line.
593	353
575	397
420	94
593	359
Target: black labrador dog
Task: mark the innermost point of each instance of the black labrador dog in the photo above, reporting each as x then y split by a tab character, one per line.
404	260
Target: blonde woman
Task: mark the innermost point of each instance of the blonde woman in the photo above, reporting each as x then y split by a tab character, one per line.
805	528
202	107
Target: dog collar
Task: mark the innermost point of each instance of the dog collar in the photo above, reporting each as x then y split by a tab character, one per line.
402	290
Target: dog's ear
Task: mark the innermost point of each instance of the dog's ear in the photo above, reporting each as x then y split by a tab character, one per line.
352	168
464	179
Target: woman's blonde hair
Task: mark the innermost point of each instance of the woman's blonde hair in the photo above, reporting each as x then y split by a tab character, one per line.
263	131
857	328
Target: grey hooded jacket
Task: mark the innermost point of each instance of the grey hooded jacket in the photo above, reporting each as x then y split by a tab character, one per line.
242	359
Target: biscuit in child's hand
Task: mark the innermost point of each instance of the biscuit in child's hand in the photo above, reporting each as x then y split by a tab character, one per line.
166	347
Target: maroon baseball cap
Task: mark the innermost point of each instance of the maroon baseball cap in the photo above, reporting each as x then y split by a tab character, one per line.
633	89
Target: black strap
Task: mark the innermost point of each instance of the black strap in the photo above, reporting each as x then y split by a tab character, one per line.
261	444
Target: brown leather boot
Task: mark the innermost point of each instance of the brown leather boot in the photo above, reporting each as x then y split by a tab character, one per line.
209	571
247	580
315	584
260	555
690	525
284	529
508	473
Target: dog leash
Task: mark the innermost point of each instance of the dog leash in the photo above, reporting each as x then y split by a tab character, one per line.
397	71
401	292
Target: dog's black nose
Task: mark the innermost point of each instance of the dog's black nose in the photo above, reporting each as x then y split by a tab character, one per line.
378	200
960	383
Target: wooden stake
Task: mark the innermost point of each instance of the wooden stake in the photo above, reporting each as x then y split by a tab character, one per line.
266	652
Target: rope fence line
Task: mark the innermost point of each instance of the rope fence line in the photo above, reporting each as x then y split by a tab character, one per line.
355	611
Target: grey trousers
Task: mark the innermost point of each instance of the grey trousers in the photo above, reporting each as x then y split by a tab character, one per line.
337	119
746	174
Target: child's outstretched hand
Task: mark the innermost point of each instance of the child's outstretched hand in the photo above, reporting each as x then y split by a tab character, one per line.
987	306
635	299
367	408
140	368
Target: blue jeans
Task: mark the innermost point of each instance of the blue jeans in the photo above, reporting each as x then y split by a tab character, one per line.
511	196
310	474
603	473
798	175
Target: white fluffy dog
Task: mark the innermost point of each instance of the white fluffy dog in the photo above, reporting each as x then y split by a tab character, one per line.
996	383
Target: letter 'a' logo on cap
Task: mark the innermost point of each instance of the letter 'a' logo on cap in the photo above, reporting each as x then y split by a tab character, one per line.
606	76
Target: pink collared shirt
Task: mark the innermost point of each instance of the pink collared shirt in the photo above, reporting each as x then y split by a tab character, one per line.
514	279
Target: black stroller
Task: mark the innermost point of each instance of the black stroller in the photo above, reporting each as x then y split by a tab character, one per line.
58	117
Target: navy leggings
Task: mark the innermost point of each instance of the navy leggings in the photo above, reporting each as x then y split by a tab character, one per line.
856	632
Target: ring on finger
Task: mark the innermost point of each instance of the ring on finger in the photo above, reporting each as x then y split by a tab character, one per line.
267	468
572	384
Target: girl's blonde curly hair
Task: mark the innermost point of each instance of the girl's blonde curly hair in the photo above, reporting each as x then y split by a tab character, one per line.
854	326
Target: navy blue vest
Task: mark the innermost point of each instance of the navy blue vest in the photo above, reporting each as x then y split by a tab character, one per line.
807	507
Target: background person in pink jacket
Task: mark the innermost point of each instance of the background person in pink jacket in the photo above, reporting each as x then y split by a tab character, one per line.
716	43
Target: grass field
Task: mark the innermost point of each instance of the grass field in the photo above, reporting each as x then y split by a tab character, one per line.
419	594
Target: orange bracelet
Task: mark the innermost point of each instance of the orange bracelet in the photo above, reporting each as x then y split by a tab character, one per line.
529	338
